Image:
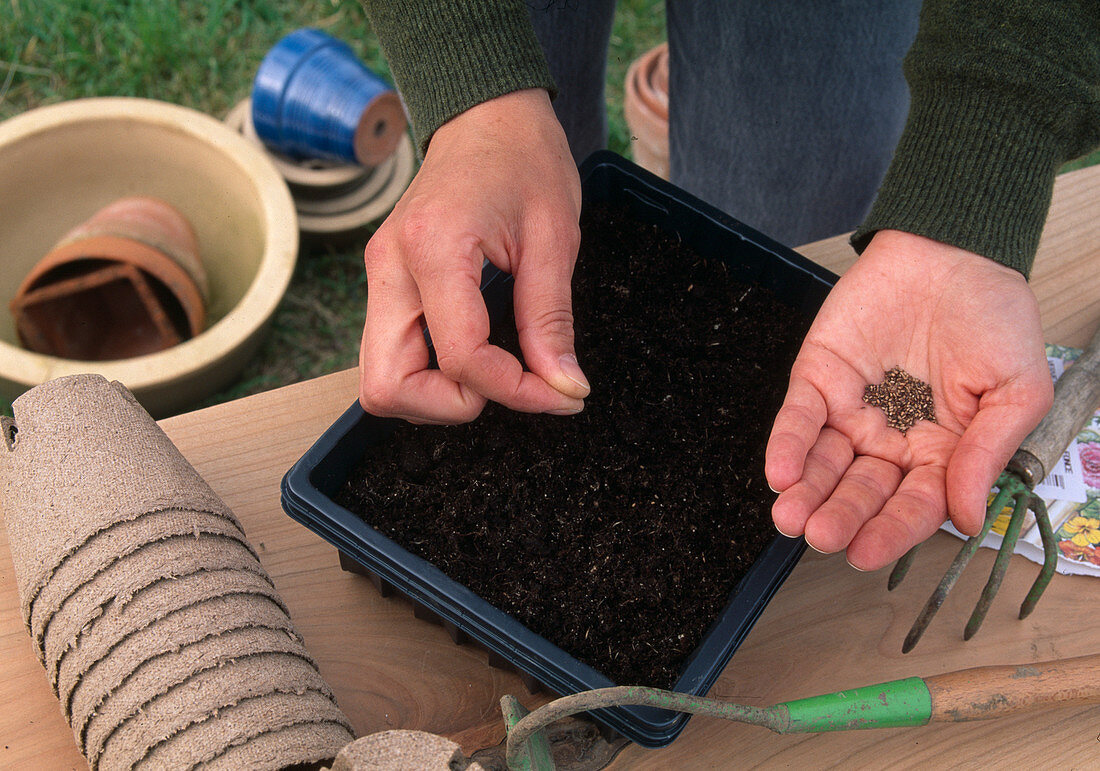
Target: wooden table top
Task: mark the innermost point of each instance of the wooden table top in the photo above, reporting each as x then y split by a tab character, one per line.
828	628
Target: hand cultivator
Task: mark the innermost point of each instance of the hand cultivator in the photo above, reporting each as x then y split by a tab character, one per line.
1076	395
979	693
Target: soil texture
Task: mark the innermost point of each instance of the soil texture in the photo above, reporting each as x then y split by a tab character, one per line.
618	534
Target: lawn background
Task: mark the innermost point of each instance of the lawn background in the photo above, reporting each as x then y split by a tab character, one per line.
204	55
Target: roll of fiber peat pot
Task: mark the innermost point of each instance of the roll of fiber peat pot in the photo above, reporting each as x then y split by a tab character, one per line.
313	98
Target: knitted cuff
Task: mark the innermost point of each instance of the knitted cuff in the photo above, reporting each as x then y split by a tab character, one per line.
449	55
970	173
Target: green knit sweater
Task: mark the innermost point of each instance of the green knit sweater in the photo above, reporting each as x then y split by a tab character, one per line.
1003	92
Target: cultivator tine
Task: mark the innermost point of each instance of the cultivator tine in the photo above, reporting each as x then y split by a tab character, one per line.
949	578
532	752
901	567
1009	488
1050	558
1000	565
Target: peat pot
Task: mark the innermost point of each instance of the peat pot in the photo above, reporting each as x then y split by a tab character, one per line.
642	201
63	163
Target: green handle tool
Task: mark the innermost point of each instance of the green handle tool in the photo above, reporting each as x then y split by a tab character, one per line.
979	693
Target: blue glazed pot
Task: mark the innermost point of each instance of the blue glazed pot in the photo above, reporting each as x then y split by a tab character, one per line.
313	98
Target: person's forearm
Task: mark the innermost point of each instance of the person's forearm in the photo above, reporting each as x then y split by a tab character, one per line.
1003	93
448	55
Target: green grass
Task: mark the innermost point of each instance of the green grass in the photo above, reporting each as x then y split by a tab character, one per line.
1091	159
204	56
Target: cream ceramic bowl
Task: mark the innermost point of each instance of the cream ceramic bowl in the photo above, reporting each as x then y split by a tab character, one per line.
60	164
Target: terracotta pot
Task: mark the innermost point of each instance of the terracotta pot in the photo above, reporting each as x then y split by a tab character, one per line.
151	221
239	207
126	282
645	108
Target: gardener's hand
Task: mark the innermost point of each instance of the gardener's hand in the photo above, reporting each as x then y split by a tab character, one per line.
497	181
964	324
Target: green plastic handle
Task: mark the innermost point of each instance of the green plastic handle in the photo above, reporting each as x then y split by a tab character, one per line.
886	705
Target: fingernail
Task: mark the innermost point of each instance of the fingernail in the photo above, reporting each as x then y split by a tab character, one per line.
566	411
572	370
861	570
788	535
819	551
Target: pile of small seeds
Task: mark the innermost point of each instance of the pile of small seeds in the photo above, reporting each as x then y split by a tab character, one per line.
904	398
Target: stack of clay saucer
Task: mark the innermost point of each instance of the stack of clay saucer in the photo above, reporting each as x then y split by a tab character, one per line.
161	634
336	202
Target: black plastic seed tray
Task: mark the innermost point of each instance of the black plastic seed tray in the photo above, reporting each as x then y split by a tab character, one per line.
309	487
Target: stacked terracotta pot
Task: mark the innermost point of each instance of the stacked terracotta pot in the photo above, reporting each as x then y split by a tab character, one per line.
126	282
161	634
645	109
336	202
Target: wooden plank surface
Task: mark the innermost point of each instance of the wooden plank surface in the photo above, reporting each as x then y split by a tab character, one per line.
828	628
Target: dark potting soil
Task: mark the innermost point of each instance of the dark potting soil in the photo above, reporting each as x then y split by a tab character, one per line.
619	533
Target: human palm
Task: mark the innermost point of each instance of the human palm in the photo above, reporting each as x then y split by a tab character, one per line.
966	326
